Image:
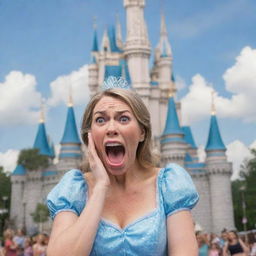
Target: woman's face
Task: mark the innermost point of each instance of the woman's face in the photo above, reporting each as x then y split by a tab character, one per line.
231	235
116	134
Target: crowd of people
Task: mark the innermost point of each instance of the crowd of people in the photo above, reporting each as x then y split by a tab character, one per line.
229	243
19	244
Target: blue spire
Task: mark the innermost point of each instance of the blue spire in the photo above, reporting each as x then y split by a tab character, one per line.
41	142
172	125
95	42
188	136
173	78
112	39
19	170
214	138
70	133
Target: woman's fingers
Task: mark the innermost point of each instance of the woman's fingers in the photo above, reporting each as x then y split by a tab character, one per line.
95	162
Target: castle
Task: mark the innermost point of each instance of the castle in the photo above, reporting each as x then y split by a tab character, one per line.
175	143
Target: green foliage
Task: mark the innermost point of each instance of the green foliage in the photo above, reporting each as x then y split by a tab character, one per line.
41	213
5	188
246	187
5	195
32	160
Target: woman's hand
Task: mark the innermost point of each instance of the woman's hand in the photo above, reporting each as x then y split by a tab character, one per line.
98	170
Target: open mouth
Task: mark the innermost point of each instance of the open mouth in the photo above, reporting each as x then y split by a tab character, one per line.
115	153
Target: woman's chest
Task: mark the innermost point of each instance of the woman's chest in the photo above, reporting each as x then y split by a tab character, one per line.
124	208
144	236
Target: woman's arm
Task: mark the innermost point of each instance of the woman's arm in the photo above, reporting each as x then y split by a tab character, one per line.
225	249
181	235
76	234
245	248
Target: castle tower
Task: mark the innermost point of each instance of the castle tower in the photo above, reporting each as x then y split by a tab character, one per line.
219	170
41	140
137	47
163	60
70	153
119	40
93	70
192	148
18	204
173	145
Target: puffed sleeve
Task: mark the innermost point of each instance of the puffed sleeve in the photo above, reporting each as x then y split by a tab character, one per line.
69	194
178	190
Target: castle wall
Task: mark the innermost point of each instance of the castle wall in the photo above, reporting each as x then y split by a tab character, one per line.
18	201
202	212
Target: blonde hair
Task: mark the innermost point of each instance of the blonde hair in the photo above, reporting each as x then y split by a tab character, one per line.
144	154
8	234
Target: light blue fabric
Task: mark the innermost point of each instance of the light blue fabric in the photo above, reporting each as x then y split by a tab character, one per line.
144	236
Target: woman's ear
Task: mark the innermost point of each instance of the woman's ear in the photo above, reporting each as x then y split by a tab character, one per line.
142	135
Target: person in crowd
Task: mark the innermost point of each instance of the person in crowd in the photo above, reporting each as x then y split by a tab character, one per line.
120	202
10	246
223	238
203	244
214	249
252	244
28	250
19	239
39	248
235	246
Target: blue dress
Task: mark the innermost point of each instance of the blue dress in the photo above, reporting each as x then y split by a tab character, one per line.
145	236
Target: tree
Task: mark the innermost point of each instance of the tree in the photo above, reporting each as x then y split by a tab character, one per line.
32	160
40	215
5	194
244	193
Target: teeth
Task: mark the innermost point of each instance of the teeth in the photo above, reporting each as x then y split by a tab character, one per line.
112	144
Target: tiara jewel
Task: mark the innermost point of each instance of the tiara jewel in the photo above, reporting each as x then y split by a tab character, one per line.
115	82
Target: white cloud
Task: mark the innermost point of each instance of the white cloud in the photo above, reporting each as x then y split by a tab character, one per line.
253	145
18	99
77	80
237	152
9	159
240	81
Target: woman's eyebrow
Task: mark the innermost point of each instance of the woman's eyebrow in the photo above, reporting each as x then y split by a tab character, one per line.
118	111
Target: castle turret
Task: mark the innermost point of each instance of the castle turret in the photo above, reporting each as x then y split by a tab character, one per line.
137	47
192	148
93	70
41	141
17	214
220	171
173	145
70	153
163	60
119	40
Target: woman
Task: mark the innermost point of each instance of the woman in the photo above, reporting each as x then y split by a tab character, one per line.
39	248
10	247
125	205
202	242
235	245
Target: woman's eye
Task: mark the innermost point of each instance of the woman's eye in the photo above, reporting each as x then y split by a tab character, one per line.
100	120
124	119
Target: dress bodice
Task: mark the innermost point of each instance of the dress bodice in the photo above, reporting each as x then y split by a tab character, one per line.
147	235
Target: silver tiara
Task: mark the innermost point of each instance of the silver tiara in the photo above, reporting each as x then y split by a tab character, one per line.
115	82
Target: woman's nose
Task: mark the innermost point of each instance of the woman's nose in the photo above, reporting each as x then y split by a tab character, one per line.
112	129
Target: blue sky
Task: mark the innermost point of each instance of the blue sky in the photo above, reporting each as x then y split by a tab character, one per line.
48	42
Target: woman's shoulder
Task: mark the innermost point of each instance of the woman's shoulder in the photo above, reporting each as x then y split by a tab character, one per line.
69	194
177	188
